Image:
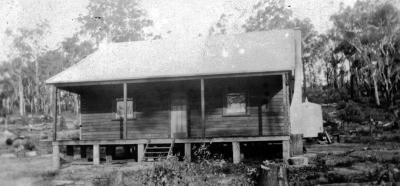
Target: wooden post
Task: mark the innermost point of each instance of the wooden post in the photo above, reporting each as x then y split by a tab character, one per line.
188	152
286	99
126	109
55	115
203	108
96	154
285	151
140	151
236	152
56	156
296	144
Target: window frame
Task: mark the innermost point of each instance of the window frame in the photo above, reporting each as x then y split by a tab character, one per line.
225	104
129	117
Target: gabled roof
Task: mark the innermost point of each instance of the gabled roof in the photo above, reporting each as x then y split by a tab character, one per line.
224	54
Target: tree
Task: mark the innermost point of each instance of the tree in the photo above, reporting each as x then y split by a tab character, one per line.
26	48
367	35
117	21
268	15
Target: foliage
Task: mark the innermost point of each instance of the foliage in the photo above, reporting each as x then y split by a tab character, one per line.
29	145
172	172
119	21
21	71
366	37
9	141
30	62
202	152
359	57
351	112
327	95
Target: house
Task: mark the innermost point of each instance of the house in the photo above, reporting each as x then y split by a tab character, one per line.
227	88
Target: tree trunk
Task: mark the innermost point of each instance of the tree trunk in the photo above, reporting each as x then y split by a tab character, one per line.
352	85
21	96
304	83
376	91
37	82
8	107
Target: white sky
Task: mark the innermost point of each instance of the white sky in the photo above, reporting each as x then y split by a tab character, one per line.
184	18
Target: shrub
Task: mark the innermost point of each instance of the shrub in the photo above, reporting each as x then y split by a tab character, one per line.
9	141
326	95
202	152
351	113
172	172
29	145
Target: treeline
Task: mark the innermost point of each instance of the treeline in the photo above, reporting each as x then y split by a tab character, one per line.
358	58
22	77
360	55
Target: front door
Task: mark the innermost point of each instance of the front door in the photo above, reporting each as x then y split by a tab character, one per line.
179	114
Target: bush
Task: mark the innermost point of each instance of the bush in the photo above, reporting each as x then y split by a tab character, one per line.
29	145
327	95
202	152
172	172
351	112
9	141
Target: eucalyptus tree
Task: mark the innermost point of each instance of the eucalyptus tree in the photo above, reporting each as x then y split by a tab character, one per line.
117	21
26	46
368	35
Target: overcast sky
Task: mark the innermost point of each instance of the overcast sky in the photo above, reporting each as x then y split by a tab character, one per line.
184	18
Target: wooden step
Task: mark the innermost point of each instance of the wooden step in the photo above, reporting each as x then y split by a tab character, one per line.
156	152
158	147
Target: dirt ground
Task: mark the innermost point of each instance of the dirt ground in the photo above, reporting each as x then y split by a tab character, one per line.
25	171
347	162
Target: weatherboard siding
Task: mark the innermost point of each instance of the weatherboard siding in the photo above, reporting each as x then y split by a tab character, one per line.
268	121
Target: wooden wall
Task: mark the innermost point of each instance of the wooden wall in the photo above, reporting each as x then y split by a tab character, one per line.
152	110
96	112
267	115
267	112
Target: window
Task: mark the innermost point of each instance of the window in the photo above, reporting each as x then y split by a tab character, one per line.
235	104
120	108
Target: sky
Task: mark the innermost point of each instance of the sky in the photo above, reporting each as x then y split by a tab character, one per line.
183	18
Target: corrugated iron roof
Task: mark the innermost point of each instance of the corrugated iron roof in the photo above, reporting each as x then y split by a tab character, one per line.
224	54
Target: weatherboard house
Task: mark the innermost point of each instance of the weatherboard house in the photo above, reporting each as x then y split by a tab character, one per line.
154	94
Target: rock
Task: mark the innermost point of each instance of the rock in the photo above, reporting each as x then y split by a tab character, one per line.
298	160
8	155
62	182
31	154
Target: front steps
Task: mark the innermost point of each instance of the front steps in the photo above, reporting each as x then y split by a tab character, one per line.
157	152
